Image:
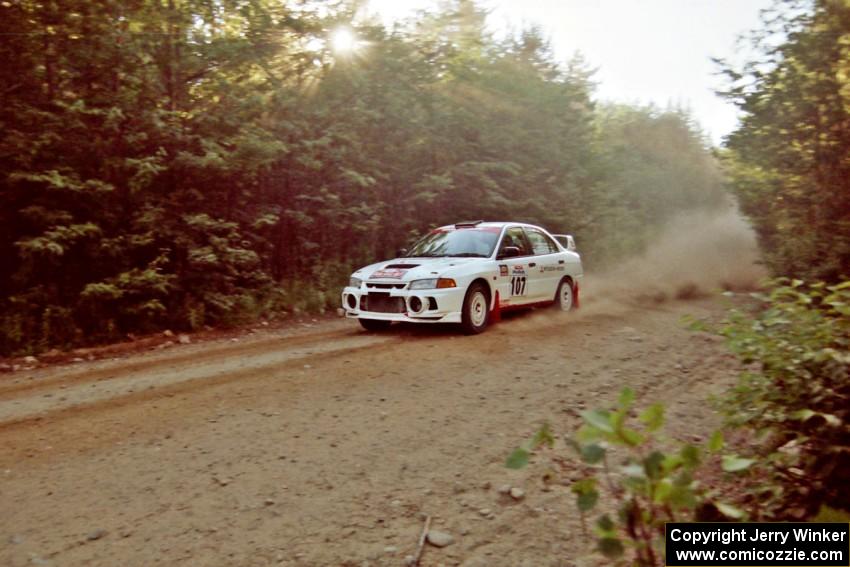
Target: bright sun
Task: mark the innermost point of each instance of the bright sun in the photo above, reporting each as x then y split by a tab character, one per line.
343	40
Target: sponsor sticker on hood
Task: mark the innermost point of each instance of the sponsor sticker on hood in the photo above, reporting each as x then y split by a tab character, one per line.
389	273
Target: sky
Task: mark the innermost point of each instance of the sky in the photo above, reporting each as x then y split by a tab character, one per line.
645	51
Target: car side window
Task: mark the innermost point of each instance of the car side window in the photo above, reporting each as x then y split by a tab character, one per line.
515	237
540	243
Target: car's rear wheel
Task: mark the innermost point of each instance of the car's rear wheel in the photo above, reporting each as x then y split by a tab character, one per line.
476	309
375	325
565	297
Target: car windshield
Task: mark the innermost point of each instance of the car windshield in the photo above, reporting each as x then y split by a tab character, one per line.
460	243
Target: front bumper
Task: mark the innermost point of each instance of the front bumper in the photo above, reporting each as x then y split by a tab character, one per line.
391	304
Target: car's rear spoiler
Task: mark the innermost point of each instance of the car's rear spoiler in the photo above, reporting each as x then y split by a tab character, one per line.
567	241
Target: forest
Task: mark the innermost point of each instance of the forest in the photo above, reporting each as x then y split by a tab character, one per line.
788	162
186	163
177	164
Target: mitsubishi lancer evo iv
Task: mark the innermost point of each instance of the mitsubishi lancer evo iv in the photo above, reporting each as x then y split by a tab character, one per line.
466	273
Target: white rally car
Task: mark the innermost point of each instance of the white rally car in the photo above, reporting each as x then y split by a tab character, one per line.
466	273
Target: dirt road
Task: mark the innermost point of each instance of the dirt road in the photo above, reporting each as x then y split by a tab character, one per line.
327	445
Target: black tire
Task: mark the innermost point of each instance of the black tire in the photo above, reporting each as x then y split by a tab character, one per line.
565	296
475	314
375	325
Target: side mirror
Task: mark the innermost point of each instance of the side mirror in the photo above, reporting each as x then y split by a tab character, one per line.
402	252
510	252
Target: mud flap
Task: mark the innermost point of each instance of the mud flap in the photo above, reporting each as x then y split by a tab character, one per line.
576	302
496	312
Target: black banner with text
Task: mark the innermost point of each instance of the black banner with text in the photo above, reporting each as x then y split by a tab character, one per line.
758	544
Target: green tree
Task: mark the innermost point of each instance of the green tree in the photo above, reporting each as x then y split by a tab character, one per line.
787	161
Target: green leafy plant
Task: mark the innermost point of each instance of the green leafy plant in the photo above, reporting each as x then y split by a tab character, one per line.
650	479
521	455
795	395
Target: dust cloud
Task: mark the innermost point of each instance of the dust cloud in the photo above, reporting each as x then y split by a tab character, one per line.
696	255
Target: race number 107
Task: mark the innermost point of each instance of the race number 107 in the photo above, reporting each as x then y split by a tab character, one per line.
518	285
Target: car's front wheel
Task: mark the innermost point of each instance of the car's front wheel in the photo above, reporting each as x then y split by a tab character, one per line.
375	325
476	309
565	297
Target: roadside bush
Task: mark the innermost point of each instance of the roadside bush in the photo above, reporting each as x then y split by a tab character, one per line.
795	395
793	400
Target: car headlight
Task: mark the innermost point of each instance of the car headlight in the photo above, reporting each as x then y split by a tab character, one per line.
354	282
438	283
424	284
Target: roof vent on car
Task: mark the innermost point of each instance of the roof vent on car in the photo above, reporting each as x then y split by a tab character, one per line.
468	224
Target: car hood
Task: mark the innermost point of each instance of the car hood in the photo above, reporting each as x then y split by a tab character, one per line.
407	269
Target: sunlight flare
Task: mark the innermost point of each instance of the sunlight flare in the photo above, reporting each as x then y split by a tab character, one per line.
344	41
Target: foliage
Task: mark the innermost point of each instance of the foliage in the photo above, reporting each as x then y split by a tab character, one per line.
793	399
787	161
796	395
655	480
521	455
179	164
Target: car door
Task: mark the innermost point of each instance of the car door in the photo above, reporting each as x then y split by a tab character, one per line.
546	265
514	270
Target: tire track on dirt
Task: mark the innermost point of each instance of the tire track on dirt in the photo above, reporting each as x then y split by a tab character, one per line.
53	377
84	395
89	390
110	419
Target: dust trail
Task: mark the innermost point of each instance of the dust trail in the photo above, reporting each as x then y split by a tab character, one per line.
697	254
